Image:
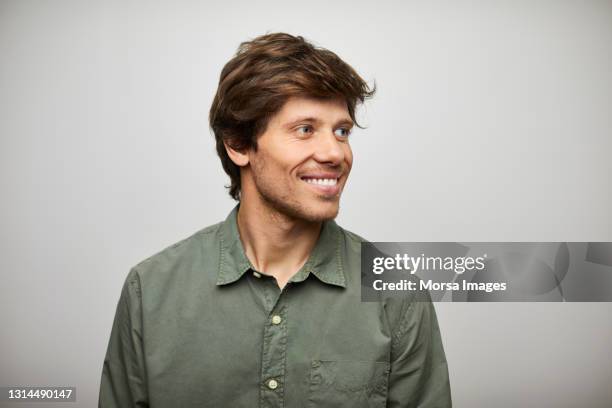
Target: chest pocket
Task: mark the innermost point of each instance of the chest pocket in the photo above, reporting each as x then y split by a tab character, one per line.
348	383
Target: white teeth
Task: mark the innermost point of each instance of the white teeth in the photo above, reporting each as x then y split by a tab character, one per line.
322	182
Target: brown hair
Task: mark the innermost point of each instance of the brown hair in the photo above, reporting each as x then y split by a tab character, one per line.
261	77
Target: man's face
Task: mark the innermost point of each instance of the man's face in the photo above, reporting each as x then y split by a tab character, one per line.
303	158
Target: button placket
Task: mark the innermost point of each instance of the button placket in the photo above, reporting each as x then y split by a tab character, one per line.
274	355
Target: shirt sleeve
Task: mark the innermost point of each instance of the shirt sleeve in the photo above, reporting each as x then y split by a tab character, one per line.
419	372
124	381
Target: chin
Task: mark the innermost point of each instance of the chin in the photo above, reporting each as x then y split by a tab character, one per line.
322	213
311	210
314	213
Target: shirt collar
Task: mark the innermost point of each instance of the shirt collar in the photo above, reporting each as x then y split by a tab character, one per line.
325	261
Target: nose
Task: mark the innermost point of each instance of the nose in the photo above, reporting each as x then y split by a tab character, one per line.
329	149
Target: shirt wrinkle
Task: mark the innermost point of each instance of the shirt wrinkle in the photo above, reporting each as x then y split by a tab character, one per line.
195	328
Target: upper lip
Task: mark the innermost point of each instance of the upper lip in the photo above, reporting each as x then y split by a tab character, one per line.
321	175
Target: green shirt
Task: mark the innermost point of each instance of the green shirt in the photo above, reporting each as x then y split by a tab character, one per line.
197	326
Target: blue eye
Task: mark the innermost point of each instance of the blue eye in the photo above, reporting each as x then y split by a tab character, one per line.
343	132
305	129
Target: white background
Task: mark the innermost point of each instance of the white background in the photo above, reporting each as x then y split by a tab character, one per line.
492	122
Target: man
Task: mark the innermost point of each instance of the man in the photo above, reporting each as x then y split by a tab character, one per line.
264	309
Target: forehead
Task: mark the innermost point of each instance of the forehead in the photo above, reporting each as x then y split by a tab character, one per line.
325	110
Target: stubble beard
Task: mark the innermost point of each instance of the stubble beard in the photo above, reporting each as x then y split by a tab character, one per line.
284	203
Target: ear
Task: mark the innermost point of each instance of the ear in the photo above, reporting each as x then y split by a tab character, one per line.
240	158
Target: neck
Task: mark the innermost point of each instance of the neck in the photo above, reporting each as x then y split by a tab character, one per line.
276	244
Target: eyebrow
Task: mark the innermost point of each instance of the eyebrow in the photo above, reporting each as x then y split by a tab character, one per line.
344	121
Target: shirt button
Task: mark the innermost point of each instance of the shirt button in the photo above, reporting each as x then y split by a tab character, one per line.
256	274
272	384
276	319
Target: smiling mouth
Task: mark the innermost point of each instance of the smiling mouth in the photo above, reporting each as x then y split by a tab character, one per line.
321	181
327	188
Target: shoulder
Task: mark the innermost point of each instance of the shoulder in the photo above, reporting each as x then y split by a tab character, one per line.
398	307
352	237
352	241
349	246
183	254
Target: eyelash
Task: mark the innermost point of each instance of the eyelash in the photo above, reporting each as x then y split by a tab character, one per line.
346	130
304	127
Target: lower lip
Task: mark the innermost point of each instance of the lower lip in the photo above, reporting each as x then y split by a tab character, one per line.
326	190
